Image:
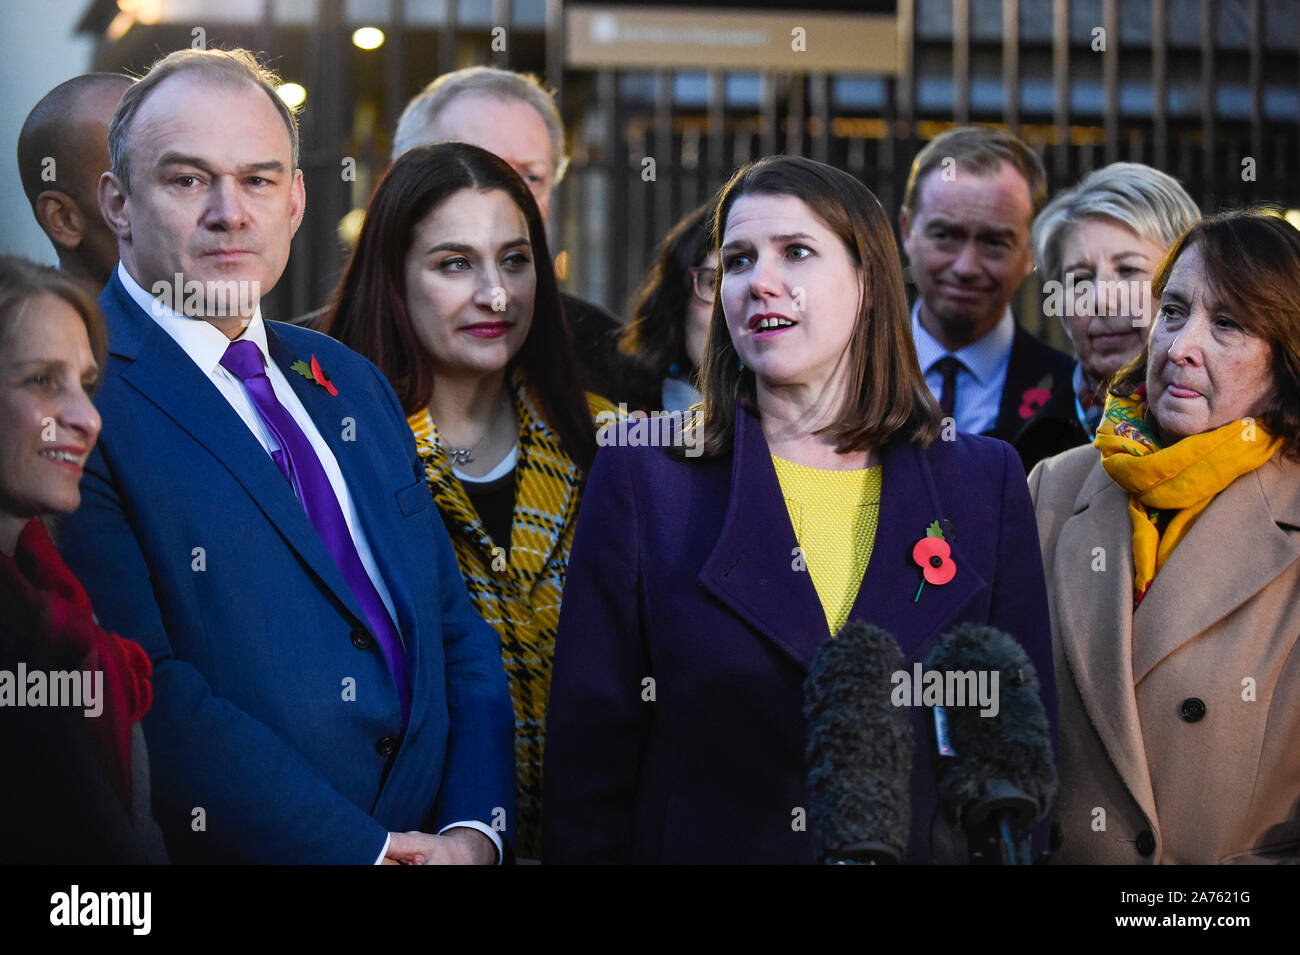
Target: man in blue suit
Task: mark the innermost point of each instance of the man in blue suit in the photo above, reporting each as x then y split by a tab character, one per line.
255	516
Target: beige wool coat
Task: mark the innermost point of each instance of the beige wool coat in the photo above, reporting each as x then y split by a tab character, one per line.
1180	723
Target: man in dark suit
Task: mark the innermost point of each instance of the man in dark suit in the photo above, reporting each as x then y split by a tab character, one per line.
62	150
254	515
512	115
970	201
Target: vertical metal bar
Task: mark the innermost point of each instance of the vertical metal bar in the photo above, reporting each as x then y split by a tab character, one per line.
767	122
635	257
555	46
961	61
1061	88
887	188
905	89
613	171
554	75
819	93
717	166
1159	81
1110	78
395	64
857	157
501	18
1256	16
742	146
666	171
447	37
689	163
266	26
796	121
1209	103
1011	65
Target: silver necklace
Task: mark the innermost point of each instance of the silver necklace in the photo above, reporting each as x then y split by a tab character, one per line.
462	456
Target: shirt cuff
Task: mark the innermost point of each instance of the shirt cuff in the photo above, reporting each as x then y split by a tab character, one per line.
387	839
486	830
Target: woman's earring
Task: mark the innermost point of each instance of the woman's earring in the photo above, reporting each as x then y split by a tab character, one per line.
742	363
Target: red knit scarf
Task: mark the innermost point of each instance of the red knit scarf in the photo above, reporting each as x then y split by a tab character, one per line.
36	588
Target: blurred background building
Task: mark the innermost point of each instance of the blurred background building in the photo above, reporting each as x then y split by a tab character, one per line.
663	100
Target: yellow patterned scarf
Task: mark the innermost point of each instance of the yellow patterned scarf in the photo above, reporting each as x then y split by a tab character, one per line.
1183	477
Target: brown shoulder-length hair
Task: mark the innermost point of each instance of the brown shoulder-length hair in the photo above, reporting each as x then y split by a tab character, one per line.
888	398
22	280
368	309
1252	262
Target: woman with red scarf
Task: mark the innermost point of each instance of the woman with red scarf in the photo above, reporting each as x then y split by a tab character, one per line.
71	694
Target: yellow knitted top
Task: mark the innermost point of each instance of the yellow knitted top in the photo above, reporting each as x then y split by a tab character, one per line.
834	514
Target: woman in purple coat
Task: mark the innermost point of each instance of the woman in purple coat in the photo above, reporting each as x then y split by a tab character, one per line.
705	575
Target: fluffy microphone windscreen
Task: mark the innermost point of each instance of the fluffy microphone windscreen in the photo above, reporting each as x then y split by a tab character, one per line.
1012	747
859	749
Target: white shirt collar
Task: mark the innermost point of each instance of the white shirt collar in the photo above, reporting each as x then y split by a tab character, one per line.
201	340
982	357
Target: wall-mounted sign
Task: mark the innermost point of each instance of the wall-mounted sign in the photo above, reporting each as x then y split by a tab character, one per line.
704	38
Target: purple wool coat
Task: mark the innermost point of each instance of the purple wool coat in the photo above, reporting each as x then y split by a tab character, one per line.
682	572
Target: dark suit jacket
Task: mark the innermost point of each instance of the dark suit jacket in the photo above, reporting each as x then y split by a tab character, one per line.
1051	430
682	574
1031	361
595	343
272	706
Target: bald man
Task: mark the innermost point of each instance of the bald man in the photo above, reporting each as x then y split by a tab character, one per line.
62	151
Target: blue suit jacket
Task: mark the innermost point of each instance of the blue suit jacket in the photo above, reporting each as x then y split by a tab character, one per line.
268	720
683	571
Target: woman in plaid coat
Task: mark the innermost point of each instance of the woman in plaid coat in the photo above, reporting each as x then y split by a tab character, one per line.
452	293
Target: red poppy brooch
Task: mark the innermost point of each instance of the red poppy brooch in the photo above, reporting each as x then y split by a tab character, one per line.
1034	398
313	372
933	555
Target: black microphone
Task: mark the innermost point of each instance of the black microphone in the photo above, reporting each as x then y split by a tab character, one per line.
996	774
859	750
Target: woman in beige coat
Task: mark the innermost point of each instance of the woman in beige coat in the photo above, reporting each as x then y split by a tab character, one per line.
1172	552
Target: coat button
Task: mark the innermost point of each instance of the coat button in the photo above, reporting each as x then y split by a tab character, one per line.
1192	709
361	638
386	746
1146	843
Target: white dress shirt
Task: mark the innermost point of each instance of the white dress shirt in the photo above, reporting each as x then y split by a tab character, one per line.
982	376
206	344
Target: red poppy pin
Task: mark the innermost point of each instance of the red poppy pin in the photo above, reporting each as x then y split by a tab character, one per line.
1034	398
313	372
933	555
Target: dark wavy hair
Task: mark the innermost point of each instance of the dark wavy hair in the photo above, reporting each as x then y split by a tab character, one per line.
654	338
1252	261
368	309
889	398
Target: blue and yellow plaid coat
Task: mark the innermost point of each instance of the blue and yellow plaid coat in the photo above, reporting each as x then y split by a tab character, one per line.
517	588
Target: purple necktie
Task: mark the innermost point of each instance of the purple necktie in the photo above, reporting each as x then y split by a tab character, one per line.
303	470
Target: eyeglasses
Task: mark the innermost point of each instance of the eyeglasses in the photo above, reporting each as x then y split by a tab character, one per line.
704	283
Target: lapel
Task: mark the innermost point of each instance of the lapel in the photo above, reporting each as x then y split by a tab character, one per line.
751	567
1248	511
1020	368
1095	631
366	484
392	545
163	373
909	503
1029	363
546	482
